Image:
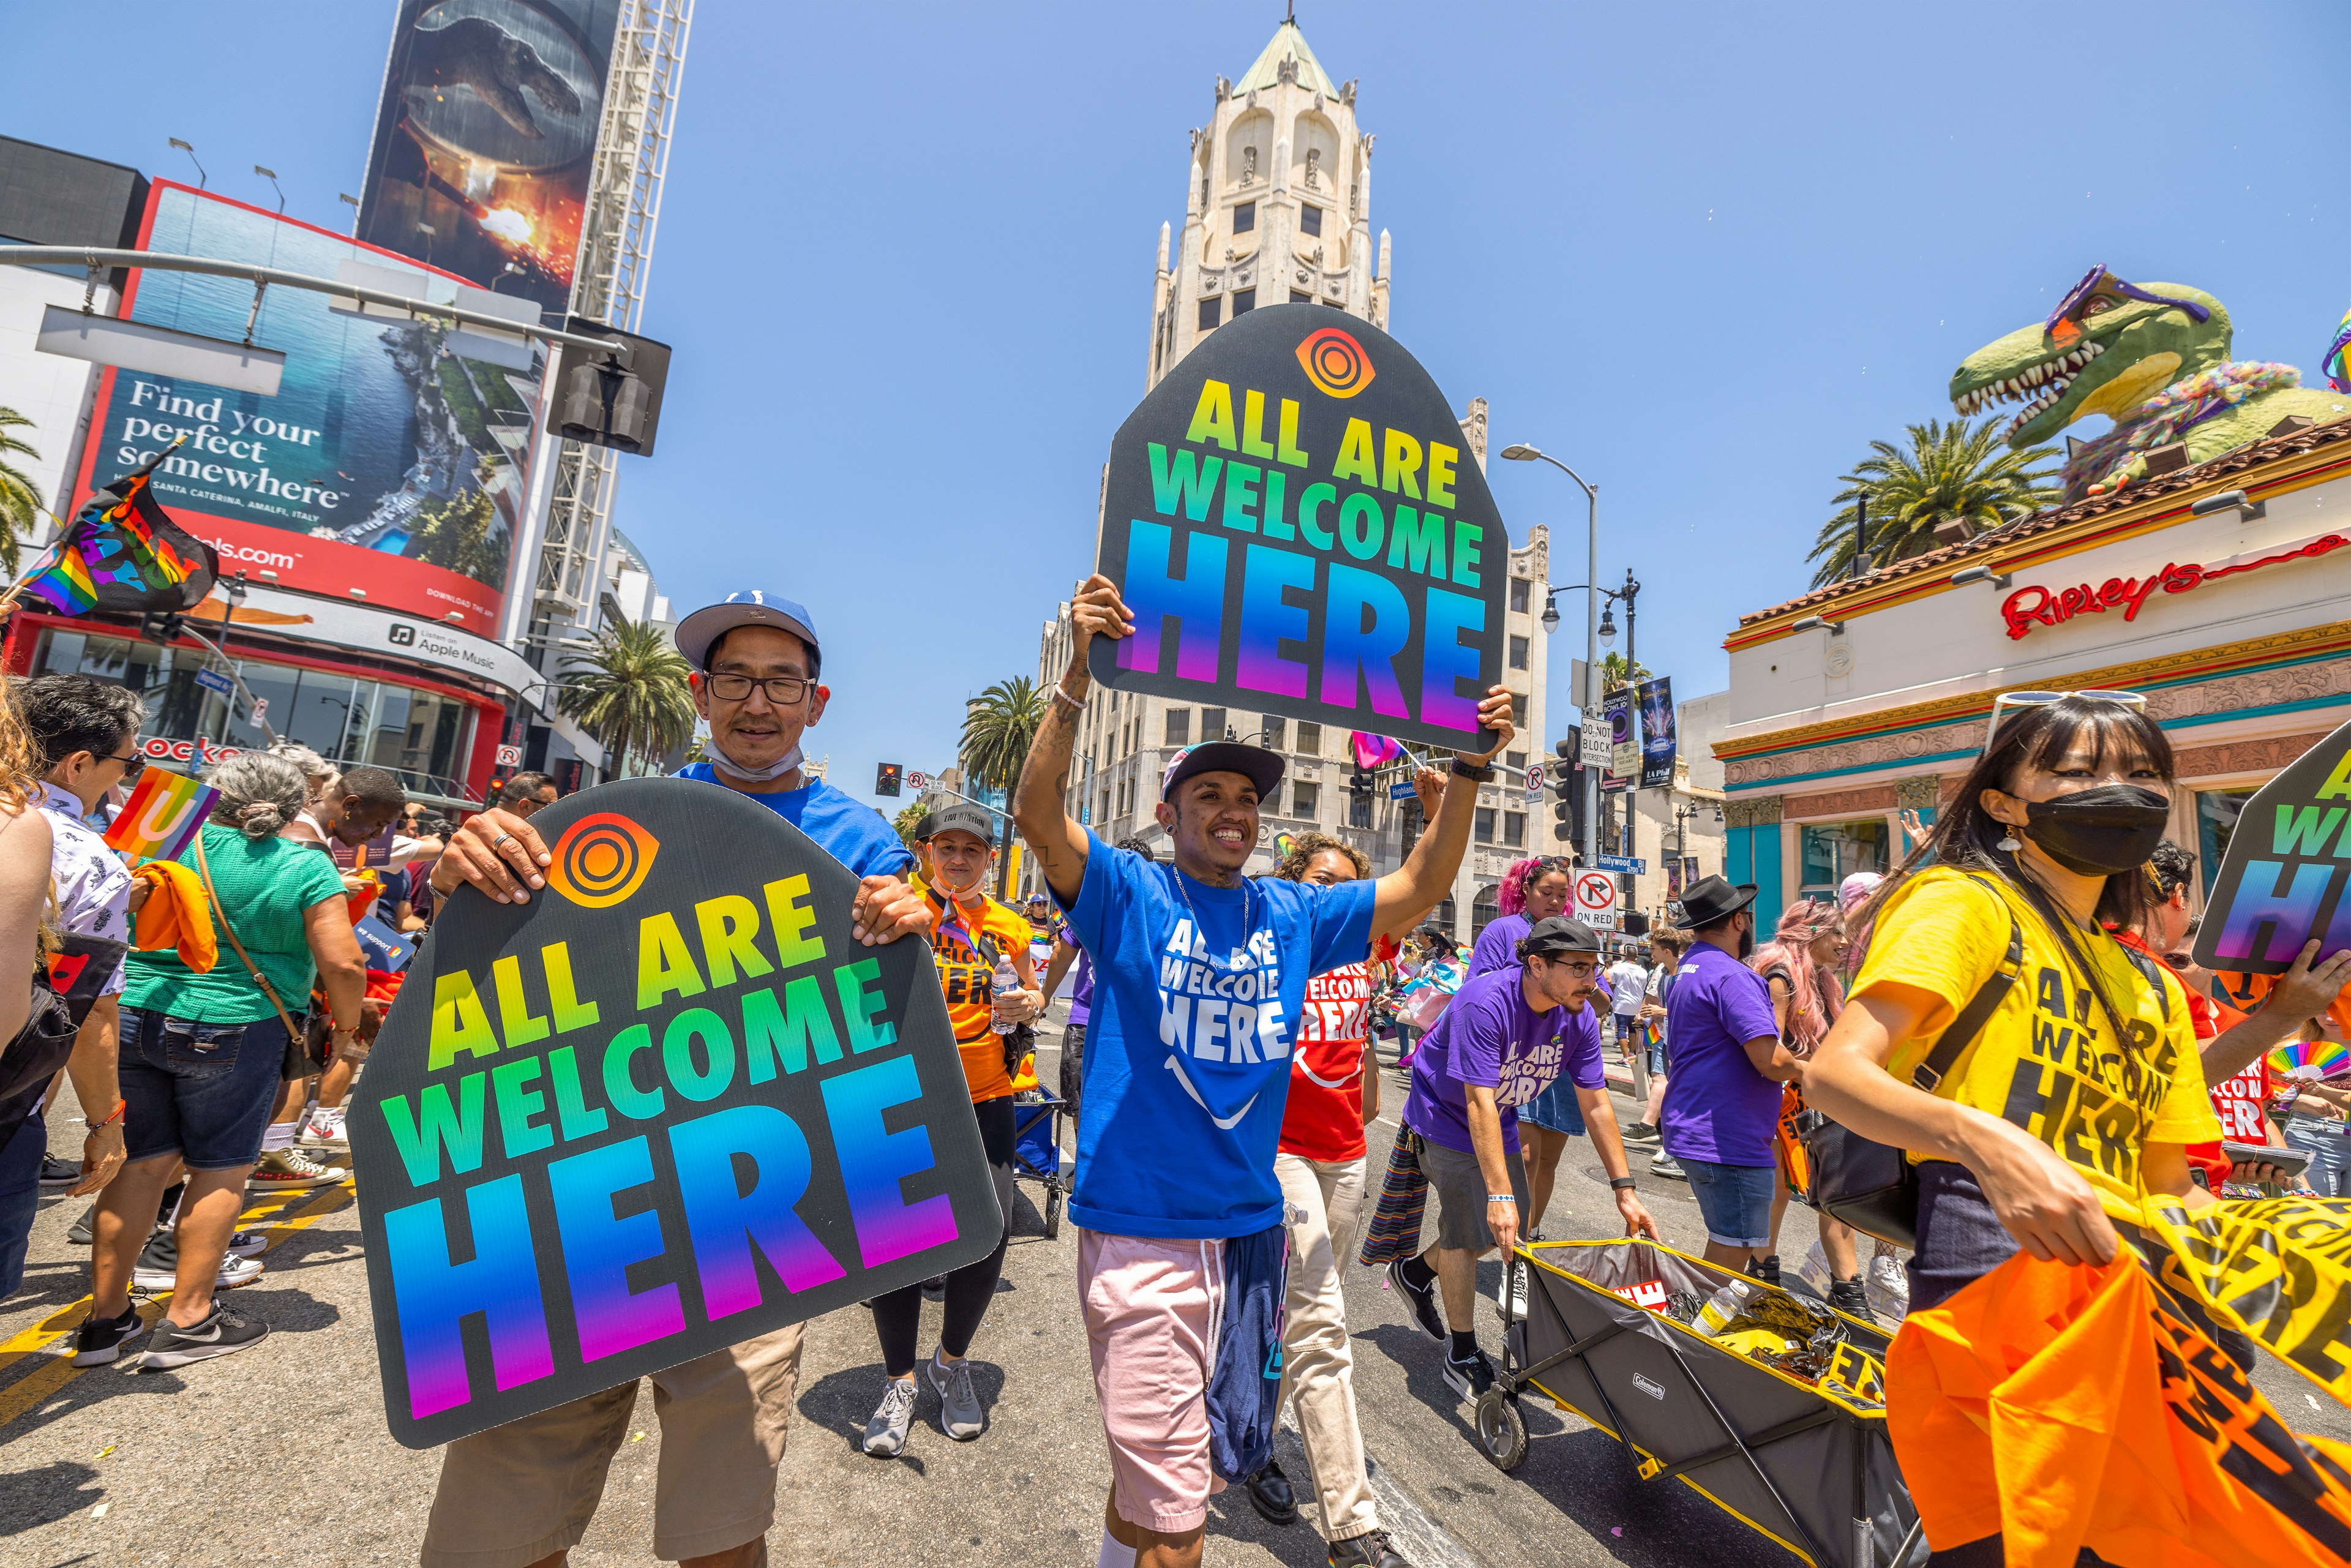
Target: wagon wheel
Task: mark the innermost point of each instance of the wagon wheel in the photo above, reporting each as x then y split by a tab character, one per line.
1052	1210
1501	1432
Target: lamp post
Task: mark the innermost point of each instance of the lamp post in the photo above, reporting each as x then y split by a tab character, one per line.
1587	700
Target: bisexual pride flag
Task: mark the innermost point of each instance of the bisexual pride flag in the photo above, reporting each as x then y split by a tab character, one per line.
123	551
161	815
1373	752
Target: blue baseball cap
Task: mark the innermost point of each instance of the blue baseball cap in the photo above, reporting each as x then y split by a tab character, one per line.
745	607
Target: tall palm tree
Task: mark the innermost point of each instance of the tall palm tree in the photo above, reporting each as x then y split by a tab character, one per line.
997	727
20	504
1616	670
631	693
909	817
1960	477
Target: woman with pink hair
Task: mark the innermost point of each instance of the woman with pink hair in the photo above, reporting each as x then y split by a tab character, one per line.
1800	965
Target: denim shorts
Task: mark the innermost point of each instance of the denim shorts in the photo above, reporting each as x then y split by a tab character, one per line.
1556	1109
1734	1201
201	1090
1657	1064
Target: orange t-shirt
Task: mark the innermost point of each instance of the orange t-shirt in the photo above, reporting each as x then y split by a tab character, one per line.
968	979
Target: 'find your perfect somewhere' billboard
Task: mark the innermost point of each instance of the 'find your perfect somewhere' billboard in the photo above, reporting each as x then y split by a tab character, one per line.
384	464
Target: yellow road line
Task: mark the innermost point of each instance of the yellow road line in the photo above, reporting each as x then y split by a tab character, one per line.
21	1395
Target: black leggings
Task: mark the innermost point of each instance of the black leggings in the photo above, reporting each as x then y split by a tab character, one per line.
898	1316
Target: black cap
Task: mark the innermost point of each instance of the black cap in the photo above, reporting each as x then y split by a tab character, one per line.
1261	768
1558	935
1711	900
977	820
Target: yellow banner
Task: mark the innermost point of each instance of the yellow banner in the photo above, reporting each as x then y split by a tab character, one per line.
2278	1269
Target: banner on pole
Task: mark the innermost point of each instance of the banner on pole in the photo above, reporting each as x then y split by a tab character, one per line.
1658	739
668	1105
1624	740
1291	518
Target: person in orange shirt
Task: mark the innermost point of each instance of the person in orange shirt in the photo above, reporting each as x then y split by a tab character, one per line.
970	932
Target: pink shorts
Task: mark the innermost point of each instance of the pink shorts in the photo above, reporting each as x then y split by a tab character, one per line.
1151	1313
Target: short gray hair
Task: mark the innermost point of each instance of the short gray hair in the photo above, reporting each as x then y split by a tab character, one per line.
259	793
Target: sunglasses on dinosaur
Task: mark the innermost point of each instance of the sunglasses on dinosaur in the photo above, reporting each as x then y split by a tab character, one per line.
2008	702
2099	283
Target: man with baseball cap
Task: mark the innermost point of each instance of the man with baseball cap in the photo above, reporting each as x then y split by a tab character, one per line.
522	1495
1202	979
1505	1038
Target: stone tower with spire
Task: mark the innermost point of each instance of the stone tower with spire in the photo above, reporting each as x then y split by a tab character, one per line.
1277	207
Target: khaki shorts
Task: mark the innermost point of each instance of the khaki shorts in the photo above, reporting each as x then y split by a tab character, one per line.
522	1491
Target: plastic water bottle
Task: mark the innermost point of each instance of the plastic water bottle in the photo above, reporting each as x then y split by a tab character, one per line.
1007	982
1725	1306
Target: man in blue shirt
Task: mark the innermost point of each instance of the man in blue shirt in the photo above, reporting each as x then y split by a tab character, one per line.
1201	978
522	1495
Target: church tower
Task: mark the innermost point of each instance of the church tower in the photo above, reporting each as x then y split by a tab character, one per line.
1277	207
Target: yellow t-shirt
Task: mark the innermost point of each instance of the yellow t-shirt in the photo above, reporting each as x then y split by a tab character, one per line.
2046	1060
969	980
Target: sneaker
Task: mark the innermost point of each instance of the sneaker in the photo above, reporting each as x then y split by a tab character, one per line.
323	1129
886	1435
1370	1550
158	1267
1766	1270
1270	1493
82	1231
101	1340
1889	1286
960	1417
1471	1378
1510	1296
1663	1165
1851	1297
284	1170
57	1174
1643	1132
1421	1299
222	1333
248	1244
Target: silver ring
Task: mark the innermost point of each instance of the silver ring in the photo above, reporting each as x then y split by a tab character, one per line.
501	840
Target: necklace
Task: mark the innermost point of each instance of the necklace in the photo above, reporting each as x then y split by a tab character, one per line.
1247	924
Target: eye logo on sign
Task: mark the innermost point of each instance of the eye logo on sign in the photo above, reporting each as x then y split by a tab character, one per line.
601	859
1335	363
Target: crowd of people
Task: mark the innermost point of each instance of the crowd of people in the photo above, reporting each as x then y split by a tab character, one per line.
1220	1060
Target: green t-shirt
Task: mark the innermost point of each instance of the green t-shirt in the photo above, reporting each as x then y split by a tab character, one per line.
265	886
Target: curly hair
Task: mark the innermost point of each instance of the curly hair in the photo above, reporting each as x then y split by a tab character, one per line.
1306	846
259	793
20	754
1815	999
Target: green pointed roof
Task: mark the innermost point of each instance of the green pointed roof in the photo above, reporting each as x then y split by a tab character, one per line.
1266	73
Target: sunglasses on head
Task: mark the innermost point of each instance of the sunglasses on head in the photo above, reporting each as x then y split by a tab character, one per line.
2021	700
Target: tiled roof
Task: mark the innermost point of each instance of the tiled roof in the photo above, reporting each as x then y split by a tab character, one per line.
1266	72
1951	557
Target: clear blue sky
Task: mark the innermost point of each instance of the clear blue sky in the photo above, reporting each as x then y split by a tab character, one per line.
1704	253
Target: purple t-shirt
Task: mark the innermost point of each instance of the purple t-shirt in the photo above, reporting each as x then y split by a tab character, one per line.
1489	1037
1718	1107
1498	944
1082	988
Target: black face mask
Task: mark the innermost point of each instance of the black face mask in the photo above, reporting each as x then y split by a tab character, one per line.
2102	832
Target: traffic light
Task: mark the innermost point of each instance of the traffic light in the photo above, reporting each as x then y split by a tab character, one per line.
1573	746
609	398
886	778
1635	923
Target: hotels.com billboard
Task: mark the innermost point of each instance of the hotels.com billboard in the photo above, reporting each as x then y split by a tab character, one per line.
385	468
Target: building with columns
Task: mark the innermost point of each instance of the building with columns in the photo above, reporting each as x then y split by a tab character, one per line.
1278	211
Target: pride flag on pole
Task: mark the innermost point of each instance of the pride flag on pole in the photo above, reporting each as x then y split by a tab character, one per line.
161	815
123	551
1374	752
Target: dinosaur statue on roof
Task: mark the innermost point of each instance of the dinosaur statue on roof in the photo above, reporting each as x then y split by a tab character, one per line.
2155	358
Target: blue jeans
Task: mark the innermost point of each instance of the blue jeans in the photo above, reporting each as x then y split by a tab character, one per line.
20	1198
201	1090
1556	1108
1735	1201
2324	1142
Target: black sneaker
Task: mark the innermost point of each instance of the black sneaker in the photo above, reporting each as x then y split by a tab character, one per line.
222	1333
1370	1550
1765	1269
1471	1378
57	1174
101	1340
1643	1132
1270	1494
1851	1297
81	1232
1421	1299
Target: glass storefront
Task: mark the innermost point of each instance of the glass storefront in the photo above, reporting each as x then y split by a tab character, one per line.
422	735
1835	851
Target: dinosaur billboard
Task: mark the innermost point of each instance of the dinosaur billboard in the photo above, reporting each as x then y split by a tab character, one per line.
485	137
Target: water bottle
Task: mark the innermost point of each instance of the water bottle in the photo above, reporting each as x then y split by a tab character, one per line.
1725	1306
1007	982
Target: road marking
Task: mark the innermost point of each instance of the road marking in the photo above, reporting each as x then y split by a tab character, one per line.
31	1390
1423	1542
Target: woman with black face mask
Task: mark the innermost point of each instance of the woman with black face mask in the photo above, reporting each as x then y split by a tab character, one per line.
2080	1091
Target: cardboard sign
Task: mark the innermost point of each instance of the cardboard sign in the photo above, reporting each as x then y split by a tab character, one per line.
668	1105
1293	519
2282	879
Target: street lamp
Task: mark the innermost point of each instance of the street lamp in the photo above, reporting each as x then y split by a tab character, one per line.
271	176
1588	700
201	176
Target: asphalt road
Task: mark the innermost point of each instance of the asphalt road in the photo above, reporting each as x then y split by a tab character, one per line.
280	1454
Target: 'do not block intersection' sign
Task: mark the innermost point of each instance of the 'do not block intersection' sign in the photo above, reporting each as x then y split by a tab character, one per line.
668	1105
1293	520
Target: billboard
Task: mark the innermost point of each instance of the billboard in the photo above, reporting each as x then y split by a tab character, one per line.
485	139
385	468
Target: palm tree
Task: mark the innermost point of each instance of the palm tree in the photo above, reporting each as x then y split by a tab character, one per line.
20	504
997	727
1616	671
1956	481
631	692
908	818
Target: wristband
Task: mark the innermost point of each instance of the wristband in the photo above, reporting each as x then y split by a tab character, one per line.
1471	771
1078	703
1622	1183
1510	1198
120	1107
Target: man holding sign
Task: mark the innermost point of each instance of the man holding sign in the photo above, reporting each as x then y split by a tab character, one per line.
1202	981
521	1495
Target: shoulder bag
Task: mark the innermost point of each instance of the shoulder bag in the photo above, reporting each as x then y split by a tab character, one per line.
220	917
1873	1186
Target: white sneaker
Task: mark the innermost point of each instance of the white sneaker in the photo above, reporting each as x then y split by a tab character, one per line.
1889	1287
286	1170
323	1129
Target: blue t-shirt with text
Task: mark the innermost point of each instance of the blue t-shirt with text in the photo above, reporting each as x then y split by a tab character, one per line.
1197	991
859	837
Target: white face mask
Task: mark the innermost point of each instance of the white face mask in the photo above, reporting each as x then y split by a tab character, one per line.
774	770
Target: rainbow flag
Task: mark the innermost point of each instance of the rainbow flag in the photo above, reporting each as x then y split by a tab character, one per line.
123	551
161	815
1373	751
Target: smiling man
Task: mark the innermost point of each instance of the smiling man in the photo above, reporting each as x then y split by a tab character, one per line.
1201	982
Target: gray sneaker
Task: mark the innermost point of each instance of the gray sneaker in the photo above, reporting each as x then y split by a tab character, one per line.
886	1435
960	1417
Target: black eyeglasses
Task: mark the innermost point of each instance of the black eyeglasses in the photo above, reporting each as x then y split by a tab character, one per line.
782	690
132	766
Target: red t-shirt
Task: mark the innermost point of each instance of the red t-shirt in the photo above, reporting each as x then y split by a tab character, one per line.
1324	1117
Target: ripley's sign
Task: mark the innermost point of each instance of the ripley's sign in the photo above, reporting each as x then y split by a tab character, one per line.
2038	606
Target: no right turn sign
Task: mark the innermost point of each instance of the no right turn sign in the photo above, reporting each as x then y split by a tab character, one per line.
1595	899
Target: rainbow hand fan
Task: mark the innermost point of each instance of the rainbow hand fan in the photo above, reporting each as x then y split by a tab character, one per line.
2309	1059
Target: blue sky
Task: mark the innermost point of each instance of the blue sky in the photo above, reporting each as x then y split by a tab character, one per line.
1704	253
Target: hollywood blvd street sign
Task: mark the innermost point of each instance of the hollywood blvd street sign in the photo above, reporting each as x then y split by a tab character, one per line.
668	1105
1595	899
1624	865
2037	606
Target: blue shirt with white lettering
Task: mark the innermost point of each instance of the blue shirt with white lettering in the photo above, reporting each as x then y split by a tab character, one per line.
1197	991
